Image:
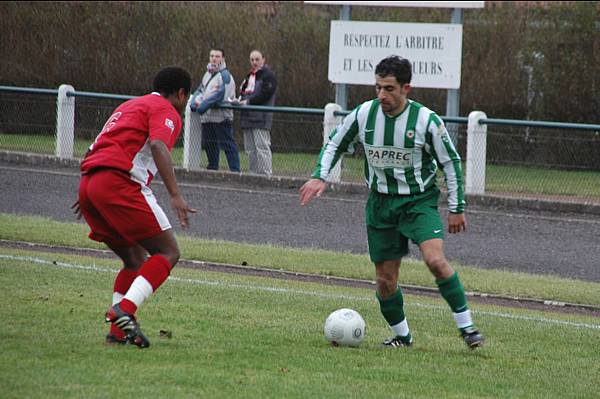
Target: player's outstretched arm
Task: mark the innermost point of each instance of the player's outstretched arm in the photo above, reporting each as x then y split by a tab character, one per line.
311	189
162	158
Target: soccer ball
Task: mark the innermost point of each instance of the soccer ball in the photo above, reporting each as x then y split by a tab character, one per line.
345	327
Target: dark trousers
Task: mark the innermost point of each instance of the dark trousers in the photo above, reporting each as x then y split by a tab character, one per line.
217	137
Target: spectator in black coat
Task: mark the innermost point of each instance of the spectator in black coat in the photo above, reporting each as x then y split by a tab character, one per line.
258	88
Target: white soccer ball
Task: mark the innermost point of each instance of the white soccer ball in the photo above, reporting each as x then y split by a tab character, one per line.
345	327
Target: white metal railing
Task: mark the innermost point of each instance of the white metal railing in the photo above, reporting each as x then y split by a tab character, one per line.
65	122
476	154
332	115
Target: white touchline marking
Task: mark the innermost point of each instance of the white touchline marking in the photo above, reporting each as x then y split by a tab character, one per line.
218	283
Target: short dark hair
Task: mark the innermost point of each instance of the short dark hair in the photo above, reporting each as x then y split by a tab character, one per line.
219	49
395	66
170	79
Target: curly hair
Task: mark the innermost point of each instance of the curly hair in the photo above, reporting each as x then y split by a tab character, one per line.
169	80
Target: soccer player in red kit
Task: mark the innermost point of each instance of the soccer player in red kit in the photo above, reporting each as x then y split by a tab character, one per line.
118	205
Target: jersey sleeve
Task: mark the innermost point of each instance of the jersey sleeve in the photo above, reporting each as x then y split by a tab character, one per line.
196	99
164	125
449	161
216	93
341	140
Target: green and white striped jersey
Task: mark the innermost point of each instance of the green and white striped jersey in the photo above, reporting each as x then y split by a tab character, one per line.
401	153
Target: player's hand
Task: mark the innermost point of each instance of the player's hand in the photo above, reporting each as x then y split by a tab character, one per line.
311	189
457	222
76	209
181	209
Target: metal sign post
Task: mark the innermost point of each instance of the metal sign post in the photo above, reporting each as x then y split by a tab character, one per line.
453	98
341	92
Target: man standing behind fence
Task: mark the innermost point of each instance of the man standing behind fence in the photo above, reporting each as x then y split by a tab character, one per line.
217	124
258	88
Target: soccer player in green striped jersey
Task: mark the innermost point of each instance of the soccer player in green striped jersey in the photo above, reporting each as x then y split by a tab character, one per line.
404	144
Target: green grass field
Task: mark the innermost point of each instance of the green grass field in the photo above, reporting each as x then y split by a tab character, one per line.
47	231
499	178
253	337
250	337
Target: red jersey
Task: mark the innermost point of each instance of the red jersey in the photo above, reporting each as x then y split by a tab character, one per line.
124	142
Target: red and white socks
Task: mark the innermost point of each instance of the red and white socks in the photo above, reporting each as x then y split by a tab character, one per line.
133	287
151	275
122	283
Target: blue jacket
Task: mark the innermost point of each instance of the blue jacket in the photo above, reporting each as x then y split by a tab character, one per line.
215	88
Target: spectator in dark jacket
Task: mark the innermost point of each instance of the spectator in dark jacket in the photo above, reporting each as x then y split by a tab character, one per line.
258	88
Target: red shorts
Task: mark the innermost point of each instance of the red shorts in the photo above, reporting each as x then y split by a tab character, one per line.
119	211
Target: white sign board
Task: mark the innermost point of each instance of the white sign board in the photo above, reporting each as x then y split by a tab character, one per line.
435	51
419	4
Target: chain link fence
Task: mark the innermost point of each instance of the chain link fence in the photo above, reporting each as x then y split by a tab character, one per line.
28	124
561	164
549	163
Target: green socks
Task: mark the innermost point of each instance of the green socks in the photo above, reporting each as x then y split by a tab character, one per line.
392	309
451	289
454	293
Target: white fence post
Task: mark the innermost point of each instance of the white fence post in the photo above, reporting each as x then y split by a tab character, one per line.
476	154
65	122
192	139
330	121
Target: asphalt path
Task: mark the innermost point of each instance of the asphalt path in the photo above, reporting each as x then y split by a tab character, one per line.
567	245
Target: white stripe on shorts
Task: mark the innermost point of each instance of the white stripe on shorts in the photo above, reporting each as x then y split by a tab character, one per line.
161	218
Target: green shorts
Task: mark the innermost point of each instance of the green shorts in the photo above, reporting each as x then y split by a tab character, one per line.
393	219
